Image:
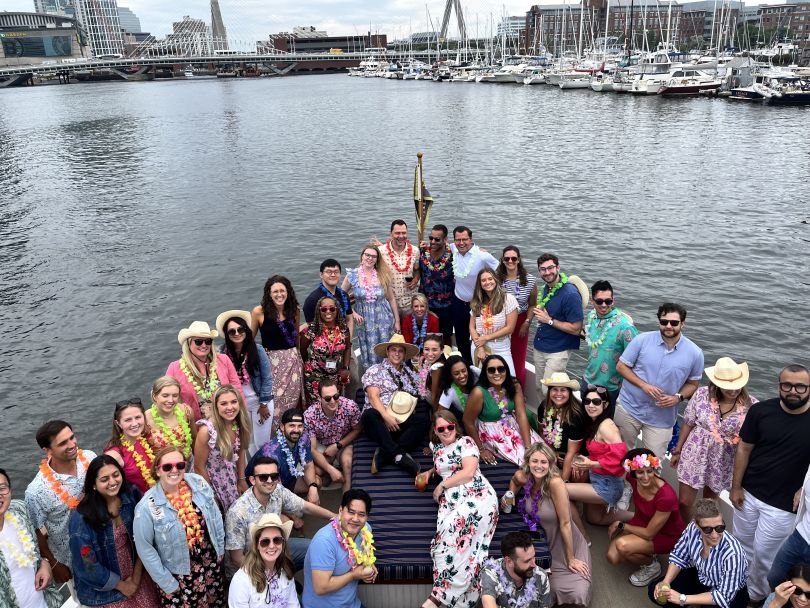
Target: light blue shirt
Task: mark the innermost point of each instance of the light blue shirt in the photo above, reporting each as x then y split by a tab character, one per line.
669	370
325	553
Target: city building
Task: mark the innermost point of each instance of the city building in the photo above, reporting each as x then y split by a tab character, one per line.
99	18
424	38
218	32
36	38
287	42
308	31
708	22
511	27
55	7
129	20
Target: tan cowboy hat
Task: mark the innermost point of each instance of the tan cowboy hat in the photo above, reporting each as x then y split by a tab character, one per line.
411	350
561	379
727	374
584	293
230	314
198	329
270	520
402	405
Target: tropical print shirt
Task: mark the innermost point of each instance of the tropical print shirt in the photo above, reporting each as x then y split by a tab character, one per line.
606	338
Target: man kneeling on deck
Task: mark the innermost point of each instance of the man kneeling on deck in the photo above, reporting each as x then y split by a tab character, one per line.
516	579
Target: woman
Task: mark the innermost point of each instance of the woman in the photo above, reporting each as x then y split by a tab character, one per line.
129	444
562	423
710	433
170	421
468	514
794	591
199	370
495	416
253	368
456	382
326	348
106	569
656	525
493	318
420	322
375	313
25	578
180	536
277	319
539	478
265	580
219	452
428	365
707	567
516	280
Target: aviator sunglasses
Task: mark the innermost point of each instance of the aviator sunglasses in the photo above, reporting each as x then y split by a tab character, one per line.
167	467
276	540
709	529
263	477
510	258
201	341
443	429
672	322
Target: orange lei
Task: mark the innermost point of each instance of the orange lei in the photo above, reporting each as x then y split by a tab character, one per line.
187	514
486	320
47	472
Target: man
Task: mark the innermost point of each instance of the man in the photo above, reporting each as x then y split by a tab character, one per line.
266	496
559	322
515	579
796	549
608	331
402	259
438	283
769	468
291	448
331	575
468	261
330	277
661	369
55	492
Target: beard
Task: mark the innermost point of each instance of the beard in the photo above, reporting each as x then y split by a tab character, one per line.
524	574
795	403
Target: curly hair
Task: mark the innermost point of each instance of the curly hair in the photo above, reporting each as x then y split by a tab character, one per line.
317	324
290	305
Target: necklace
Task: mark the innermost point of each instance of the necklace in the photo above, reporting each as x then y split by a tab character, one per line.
530	518
26	557
487	323
180	440
552	428
715	420
204	392
595	344
369	283
143	467
502	403
527	594
438	265
187	514
290	338
355	556
408	260
419	336
462	398
563	280
468	266
295	469
344	299
57	487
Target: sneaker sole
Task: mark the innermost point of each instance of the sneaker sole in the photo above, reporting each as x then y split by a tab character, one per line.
374	469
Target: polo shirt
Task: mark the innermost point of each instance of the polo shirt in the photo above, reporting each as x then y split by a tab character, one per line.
325	553
566	305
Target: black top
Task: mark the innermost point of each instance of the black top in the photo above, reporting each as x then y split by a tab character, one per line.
573	432
274	338
312	301
781	453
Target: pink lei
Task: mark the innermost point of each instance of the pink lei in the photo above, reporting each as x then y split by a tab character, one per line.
714	422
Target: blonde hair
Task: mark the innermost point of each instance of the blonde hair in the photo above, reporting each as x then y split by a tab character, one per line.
481	298
186	356
165	451
383	274
224	443
553	469
254	564
421	298
162	382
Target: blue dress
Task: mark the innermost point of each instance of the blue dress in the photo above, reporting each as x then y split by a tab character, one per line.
378	319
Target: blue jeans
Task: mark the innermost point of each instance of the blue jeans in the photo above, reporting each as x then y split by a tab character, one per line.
298	550
794	550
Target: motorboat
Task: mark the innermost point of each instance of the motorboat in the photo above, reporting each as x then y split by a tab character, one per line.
536	75
688	81
576	80
601	83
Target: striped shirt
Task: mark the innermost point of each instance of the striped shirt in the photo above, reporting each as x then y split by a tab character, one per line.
521	292
724	571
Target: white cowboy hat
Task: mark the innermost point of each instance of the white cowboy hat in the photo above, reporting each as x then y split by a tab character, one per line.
582	287
230	314
198	329
561	379
402	405
270	520
728	374
411	350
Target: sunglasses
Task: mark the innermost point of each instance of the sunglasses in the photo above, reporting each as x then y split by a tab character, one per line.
499	369
119	405
672	322
328	398
166	467
201	341
276	540
601	302
594	401
235	331
510	258
435	239
800	389
444	429
263	477
709	529
597	389
801	592
328	308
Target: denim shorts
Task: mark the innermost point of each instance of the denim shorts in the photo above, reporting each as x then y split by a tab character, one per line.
608	487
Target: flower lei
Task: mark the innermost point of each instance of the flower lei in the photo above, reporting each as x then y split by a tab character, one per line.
204	393
438	266
170	434
462	273
344	299
56	486
187	514
369	283
419	336
530	518
552	428
290	338
595	344
541	303
528	594
487	323
714	423
367	557
642	461
27	557
295	469
408	261
502	403
462	398
143	467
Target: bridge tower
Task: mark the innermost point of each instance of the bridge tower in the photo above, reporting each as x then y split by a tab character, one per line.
462	28
218	32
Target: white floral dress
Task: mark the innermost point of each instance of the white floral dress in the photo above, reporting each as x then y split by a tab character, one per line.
465	525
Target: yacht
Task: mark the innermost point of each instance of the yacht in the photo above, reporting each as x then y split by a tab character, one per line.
575	80
689	81
653	72
535	75
601	83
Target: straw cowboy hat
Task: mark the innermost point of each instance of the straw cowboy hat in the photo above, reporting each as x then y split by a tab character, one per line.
411	350
198	329
230	314
727	374
584	293
561	379
270	520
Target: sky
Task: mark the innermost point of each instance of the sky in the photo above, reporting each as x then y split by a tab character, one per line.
252	20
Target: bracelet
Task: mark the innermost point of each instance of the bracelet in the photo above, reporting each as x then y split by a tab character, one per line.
339	445
242	478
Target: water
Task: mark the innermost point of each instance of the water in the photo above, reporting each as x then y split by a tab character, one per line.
128	210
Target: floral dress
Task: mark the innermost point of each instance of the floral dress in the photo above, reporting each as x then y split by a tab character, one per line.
146	596
712	440
378	318
465	525
324	358
221	472
499	431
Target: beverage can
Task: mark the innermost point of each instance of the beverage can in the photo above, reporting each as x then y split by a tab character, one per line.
508	501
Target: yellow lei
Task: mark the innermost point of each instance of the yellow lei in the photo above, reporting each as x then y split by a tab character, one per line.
27	557
142	466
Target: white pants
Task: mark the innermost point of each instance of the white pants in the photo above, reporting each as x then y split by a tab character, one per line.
502	347
761	529
652	437
546	364
260	431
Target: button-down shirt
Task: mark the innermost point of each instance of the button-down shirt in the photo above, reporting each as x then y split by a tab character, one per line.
401	291
472	262
247	510
331	430
383	377
49	511
606	338
437	285
669	370
497	584
725	570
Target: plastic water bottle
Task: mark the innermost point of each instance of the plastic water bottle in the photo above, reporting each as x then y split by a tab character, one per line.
508	501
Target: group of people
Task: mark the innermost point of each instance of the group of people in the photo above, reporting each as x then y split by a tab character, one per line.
199	498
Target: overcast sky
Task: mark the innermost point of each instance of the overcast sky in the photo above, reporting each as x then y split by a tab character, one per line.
255	19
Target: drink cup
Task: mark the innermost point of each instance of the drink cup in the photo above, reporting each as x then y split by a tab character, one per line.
508	501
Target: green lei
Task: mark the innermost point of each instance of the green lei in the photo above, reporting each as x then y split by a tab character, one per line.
461	398
563	280
203	392
170	436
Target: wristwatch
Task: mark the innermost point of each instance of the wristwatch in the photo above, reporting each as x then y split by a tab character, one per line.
620	527
315	485
682	599
550	321
339	445
679	396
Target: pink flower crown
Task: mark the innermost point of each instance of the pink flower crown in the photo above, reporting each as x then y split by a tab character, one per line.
642	461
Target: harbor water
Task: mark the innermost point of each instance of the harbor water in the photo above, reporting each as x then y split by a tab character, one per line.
128	210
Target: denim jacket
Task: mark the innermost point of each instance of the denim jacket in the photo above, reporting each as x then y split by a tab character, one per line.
161	538
93	555
263	383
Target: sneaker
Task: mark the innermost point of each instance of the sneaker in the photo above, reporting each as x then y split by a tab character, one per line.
375	462
646	574
627	494
407	463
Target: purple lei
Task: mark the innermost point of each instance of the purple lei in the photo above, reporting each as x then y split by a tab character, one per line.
291	339
532	519
529	589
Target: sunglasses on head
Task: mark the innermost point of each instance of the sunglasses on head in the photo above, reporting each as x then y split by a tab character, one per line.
443	429
119	405
235	331
276	540
201	341
594	401
497	369
328	308
672	322
709	529
263	477
328	398
801	592
510	258
601	302
166	467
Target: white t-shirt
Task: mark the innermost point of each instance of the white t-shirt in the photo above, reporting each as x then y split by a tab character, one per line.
22	579
449	397
243	594
499	320
803	524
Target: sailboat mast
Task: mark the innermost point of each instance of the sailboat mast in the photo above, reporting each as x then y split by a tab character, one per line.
581	23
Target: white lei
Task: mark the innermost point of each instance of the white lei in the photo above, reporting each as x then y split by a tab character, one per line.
27	557
462	273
